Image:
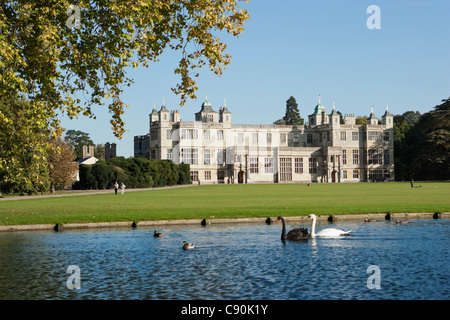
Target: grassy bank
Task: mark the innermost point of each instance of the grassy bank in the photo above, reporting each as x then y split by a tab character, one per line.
230	201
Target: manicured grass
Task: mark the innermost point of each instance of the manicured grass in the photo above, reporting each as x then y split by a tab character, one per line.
230	201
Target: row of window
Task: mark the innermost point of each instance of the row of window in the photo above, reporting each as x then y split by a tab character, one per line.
375	156
193	134
207	175
286	175
190	156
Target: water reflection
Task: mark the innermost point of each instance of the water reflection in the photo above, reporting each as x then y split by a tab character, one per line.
245	261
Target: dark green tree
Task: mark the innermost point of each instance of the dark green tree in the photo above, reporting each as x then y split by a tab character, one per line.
404	143
341	118
78	139
24	146
292	115
431	160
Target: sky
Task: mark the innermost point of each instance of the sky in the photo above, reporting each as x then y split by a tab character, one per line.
303	48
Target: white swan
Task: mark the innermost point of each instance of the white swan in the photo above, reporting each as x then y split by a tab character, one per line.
328	232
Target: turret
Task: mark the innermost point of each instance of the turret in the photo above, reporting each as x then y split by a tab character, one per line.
318	116
175	116
206	113
164	114
387	119
154	117
225	116
335	118
372	119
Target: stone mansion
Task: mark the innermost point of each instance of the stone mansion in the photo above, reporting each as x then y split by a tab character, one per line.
321	150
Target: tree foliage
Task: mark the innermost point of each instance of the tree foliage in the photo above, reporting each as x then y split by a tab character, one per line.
78	139
422	144
23	147
292	115
56	51
134	172
361	120
62	168
69	57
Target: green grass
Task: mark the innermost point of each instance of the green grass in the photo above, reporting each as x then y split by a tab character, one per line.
230	201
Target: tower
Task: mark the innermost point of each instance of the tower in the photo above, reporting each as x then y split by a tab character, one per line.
154	117
110	151
335	118
206	113
372	119
318	116
387	119
88	151
225	115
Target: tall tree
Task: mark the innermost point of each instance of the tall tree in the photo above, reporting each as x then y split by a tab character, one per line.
67	57
431	159
23	148
404	143
78	139
361	120
99	152
51	50
62	167
292	115
422	144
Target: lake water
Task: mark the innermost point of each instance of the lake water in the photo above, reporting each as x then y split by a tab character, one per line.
242	261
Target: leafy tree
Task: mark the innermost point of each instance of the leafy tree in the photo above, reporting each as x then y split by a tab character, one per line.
184	174
87	179
104	175
67	66
422	144
404	143
361	120
99	152
62	167
49	55
280	121
341	117
432	158
23	146
292	115
78	139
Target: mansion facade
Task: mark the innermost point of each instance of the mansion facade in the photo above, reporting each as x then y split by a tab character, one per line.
321	150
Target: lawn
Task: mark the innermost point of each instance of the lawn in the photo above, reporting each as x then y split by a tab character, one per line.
230	201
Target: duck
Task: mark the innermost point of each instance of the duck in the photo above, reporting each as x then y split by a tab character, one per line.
399	221
187	245
369	220
156	234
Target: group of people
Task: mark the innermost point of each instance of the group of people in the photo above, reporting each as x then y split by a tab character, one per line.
116	187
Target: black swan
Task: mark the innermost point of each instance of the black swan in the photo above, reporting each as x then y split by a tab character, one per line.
156	234
294	234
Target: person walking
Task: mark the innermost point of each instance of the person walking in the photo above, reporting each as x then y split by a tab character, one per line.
122	186
116	187
412	183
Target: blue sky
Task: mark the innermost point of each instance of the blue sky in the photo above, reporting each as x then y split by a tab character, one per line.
304	48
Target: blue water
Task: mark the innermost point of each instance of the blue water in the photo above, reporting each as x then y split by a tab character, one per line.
243	261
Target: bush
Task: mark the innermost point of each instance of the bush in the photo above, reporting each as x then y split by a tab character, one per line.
134	172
